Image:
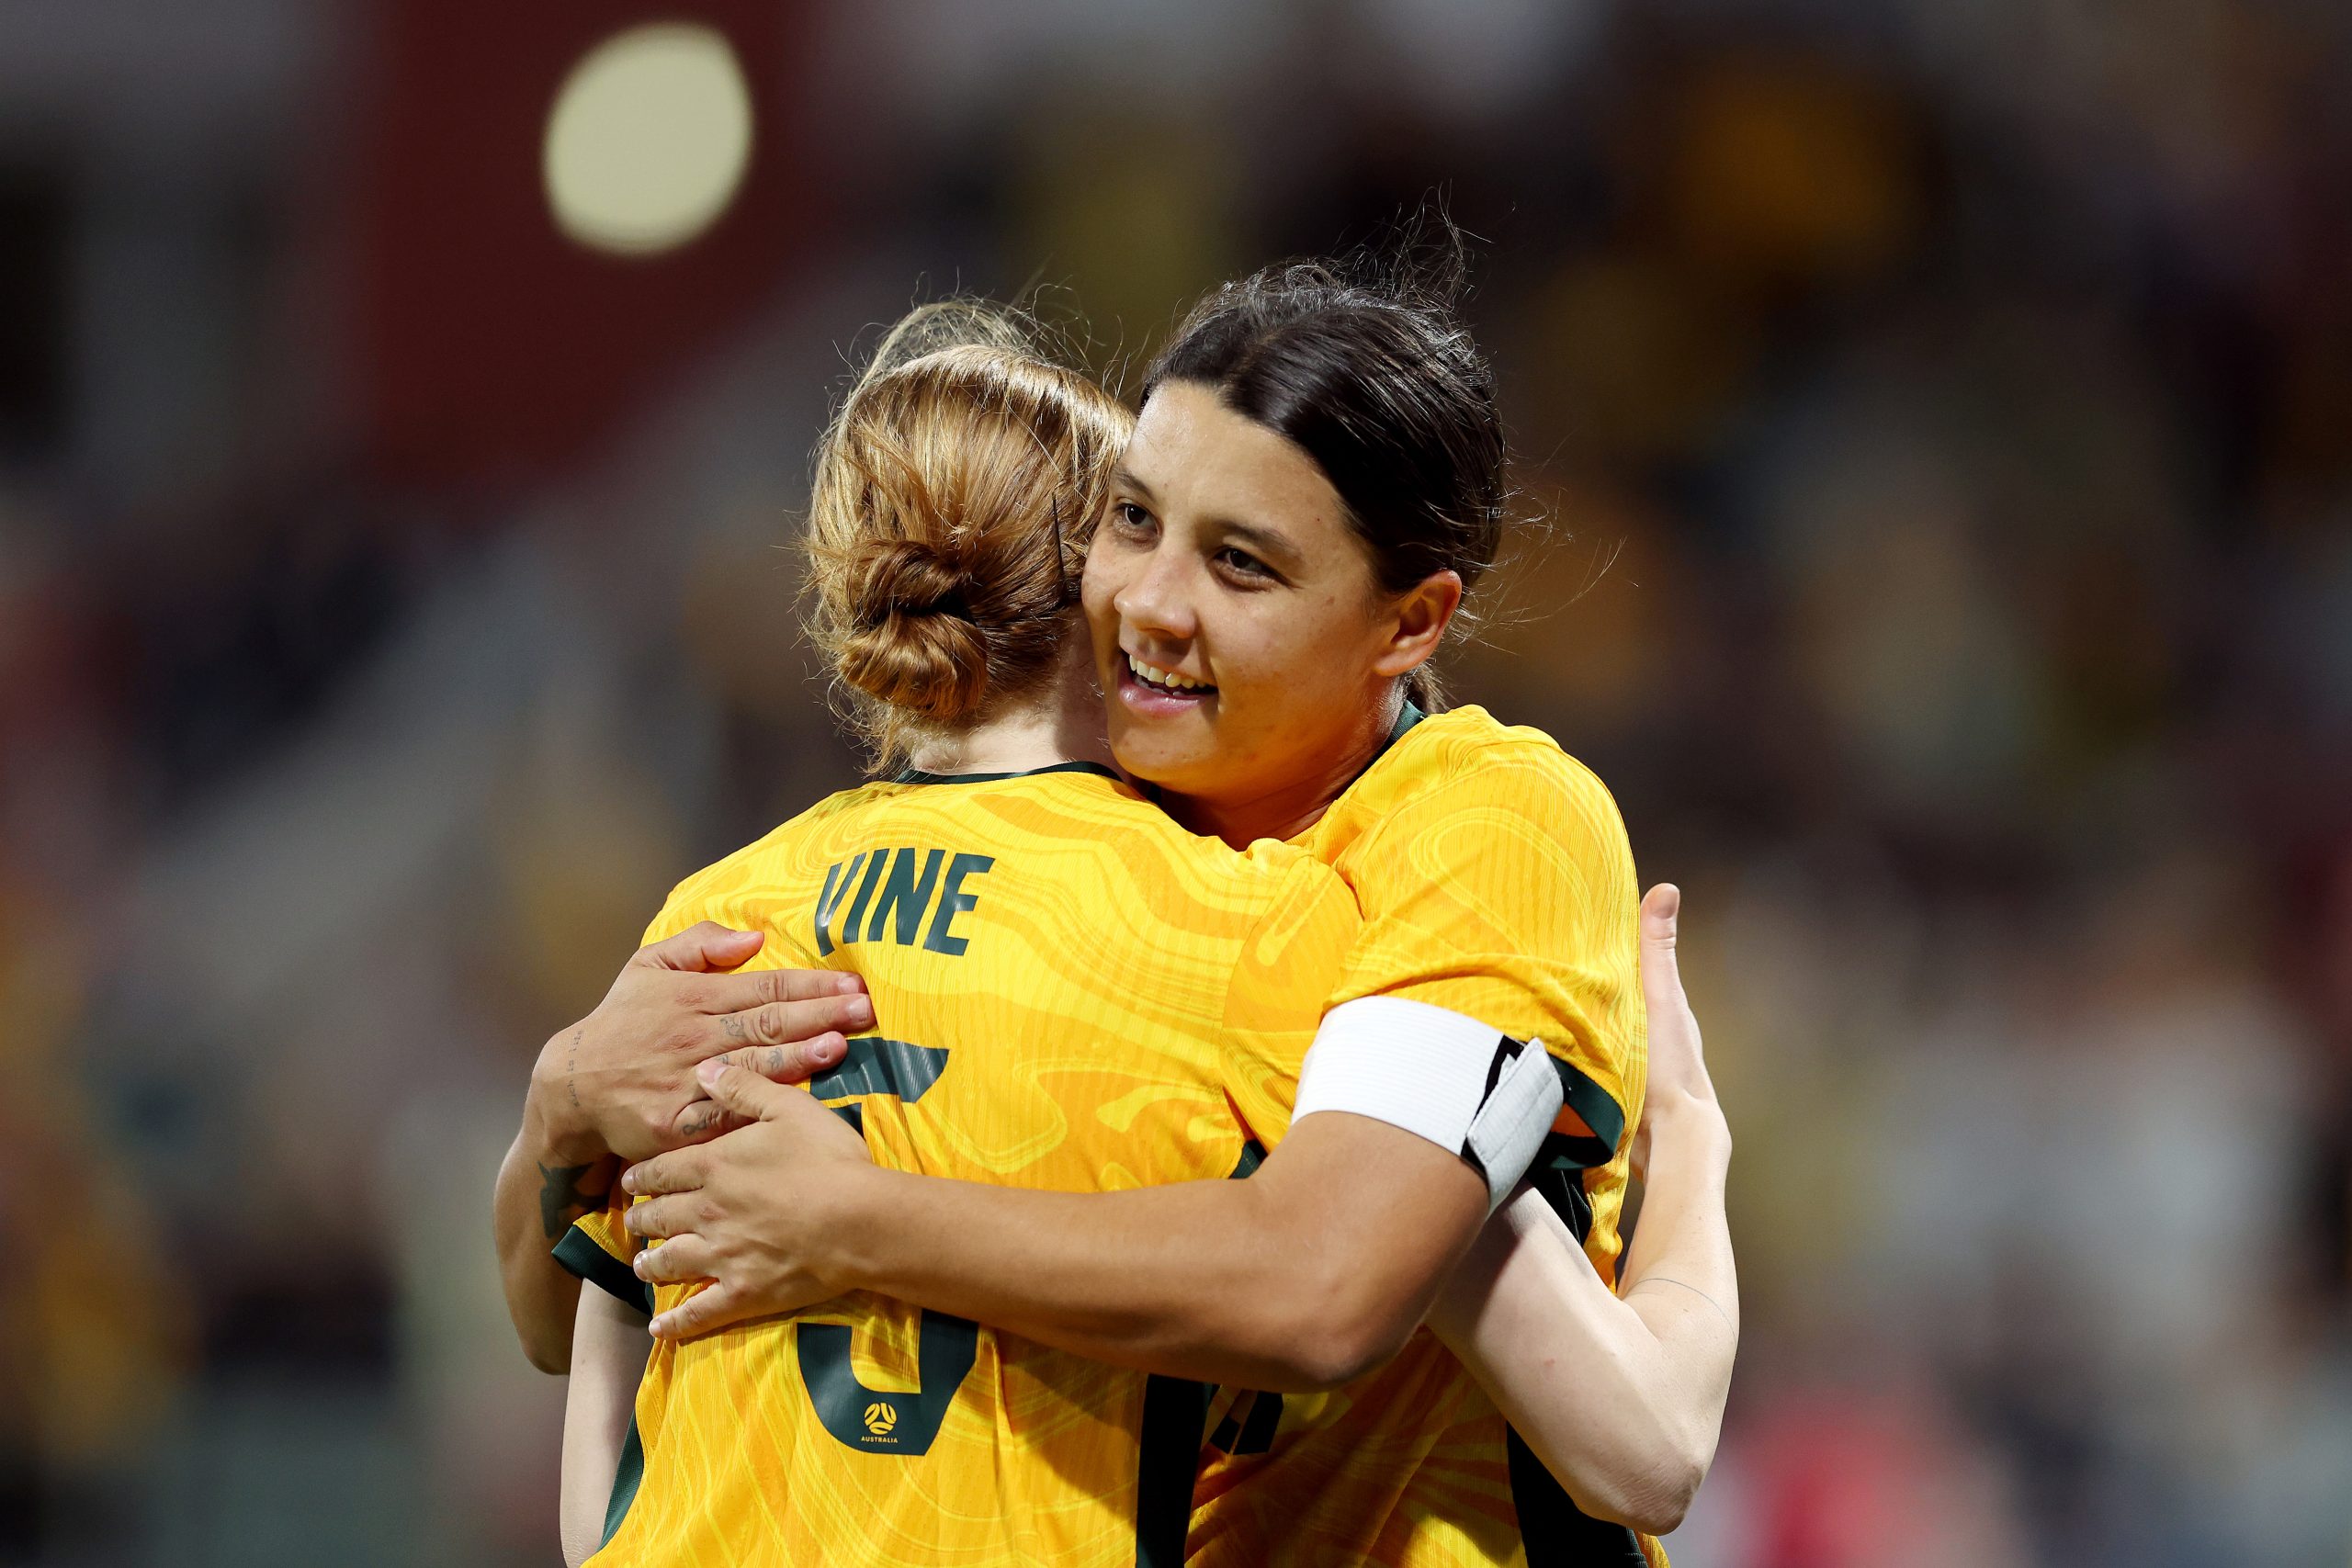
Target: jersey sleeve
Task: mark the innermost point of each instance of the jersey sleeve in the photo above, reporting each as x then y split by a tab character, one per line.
1505	893
1292	962
599	1249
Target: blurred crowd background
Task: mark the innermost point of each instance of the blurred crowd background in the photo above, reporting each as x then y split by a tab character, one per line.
1939	417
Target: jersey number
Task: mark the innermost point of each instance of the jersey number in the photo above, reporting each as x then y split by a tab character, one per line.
879	1422
872	1419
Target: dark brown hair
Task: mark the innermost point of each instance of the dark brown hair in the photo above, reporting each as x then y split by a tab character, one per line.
1364	364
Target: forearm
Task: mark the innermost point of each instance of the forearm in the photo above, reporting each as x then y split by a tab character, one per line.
1193	1280
1621	1397
546	1182
609	1352
1308	1274
1682	1245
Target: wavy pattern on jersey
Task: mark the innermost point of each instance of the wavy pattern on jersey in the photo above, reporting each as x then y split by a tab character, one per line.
1129	1000
1495	879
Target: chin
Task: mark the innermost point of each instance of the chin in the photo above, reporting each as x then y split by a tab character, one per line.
1150	757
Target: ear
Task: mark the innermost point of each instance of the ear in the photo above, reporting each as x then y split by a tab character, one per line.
1420	618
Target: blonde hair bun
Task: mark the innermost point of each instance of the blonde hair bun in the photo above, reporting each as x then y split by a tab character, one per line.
915	644
907	577
952	498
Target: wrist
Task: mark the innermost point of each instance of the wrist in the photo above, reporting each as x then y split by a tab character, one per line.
553	1122
854	1223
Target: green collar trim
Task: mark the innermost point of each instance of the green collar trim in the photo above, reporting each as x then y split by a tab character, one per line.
1408	716
916	776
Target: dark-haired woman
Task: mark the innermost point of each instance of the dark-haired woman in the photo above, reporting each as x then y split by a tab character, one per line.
1315	480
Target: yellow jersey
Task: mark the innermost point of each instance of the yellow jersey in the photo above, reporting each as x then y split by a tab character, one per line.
1073	993
1495	879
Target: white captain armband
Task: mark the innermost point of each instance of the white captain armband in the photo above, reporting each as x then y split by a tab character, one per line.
1465	1086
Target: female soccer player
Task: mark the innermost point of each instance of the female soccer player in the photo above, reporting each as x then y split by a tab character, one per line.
1315	475
1032	1039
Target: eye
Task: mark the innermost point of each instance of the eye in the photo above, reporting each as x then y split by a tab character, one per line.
1129	517
1241	563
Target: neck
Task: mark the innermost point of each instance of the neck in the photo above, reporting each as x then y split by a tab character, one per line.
1061	722
1293	807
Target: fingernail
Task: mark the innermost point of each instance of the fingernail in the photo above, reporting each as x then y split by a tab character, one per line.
827	1048
629	1181
706	1073
844	983
636	1264
860	1011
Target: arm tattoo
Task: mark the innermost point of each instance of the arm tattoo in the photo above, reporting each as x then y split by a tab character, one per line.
1662	1279
566	1192
572	1070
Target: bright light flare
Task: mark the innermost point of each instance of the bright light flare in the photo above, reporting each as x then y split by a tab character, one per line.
649	139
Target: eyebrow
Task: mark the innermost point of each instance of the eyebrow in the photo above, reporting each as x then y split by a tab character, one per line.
1265	541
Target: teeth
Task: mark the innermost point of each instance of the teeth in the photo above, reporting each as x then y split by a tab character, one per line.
1167	679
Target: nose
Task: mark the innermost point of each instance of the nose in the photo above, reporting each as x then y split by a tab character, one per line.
1157	601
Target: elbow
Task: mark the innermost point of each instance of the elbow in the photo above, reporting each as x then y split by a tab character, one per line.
1652	1494
546	1344
1326	1359
1659	1510
1331	1336
555	1359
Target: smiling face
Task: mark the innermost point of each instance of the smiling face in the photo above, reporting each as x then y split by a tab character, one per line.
1248	657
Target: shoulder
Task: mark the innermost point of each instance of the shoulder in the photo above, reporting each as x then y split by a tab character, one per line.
1466	763
1462	743
768	860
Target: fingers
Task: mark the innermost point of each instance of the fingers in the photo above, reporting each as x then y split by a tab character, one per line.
1661	914
677	1260
739	1090
743	992
1661	923
683	1171
795	1062
704	945
704	1120
701	1313
804	985
783	1023
792	1023
1678	1060
659	1219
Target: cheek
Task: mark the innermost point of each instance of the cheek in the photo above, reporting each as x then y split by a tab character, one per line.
1098	588
1295	651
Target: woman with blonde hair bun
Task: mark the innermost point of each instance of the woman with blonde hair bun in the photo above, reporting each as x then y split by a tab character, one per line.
1080	996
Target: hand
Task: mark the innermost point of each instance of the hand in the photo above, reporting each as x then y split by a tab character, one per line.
747	1211
1678	1062
621	1080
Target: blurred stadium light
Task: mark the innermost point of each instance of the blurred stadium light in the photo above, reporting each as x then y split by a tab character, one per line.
648	138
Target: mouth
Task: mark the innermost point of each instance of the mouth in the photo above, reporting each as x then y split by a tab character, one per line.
1150	689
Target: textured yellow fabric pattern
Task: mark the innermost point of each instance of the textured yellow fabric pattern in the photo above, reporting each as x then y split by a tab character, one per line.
1495	879
1071	993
